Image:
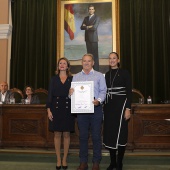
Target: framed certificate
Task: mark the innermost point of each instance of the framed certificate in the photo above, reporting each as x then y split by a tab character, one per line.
82	98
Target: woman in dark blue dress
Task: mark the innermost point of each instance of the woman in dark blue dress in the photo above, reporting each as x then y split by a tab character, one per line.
116	111
59	109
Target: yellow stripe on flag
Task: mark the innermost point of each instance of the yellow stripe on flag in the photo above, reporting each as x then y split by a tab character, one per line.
69	18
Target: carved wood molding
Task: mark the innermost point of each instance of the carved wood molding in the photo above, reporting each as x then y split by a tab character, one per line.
156	127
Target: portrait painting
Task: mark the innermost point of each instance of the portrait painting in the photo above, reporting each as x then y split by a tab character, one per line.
72	37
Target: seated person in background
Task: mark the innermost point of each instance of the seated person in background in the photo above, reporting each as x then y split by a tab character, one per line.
5	94
30	97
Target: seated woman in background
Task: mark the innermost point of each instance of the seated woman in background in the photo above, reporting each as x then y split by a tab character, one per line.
30	97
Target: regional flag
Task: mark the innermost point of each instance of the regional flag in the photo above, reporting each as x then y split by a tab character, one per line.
69	23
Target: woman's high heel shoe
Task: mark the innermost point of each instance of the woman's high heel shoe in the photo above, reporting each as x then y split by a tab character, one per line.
58	167
64	167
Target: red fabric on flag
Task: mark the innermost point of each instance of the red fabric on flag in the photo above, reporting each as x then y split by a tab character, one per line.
69	24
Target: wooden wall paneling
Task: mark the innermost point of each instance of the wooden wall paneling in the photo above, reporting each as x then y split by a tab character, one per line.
151	128
27	126
24	125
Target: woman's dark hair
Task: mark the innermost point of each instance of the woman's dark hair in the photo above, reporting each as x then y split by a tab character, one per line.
32	89
118	64
68	65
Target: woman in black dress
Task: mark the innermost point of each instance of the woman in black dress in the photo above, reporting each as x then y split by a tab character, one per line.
116	111
59	109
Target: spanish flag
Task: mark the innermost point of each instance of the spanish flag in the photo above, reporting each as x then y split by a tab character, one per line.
69	23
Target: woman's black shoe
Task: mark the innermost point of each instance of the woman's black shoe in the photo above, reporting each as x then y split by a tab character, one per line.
58	167
65	167
111	167
119	167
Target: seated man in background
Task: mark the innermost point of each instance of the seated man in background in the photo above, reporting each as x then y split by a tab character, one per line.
5	94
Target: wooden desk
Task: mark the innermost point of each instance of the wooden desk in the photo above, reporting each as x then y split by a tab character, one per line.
151	126
27	126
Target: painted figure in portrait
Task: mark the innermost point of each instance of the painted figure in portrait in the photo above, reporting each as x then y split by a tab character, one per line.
90	25
76	44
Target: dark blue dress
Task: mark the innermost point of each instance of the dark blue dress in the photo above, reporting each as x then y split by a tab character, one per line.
60	105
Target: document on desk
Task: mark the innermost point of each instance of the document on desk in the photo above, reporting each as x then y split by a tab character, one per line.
82	97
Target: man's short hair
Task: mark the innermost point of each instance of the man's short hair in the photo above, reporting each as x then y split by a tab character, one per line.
88	54
91	6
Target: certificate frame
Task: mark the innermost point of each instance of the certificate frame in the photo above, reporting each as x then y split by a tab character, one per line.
82	97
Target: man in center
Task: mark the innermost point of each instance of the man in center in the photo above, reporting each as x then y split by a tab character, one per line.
91	121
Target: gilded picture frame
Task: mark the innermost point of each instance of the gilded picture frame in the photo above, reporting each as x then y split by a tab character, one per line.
115	44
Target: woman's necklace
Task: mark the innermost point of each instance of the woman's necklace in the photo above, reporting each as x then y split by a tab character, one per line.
112	80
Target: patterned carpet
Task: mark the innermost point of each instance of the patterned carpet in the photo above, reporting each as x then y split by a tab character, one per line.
45	160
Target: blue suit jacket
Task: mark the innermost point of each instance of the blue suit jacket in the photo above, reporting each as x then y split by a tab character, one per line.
91	34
